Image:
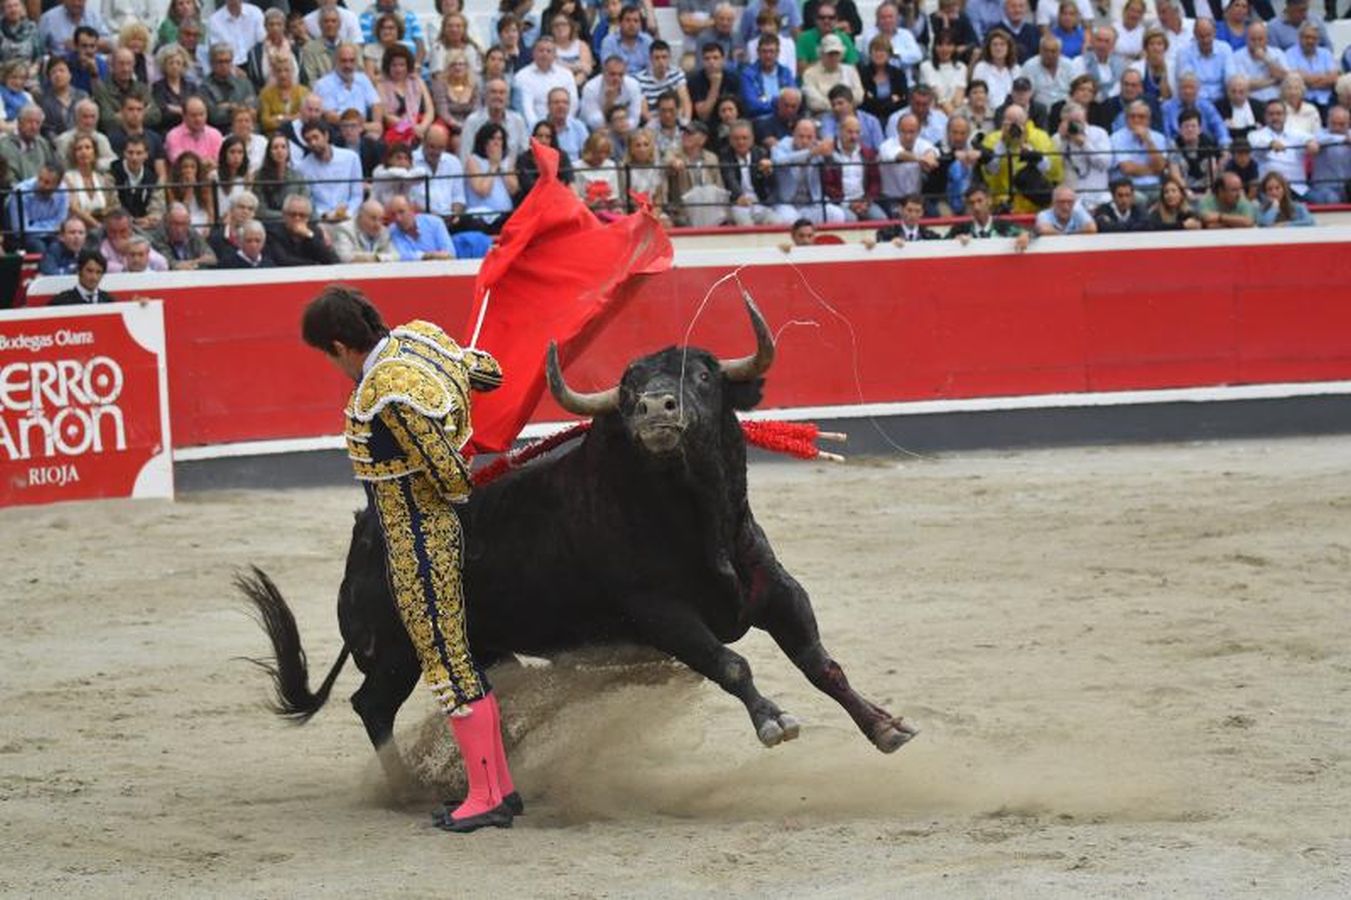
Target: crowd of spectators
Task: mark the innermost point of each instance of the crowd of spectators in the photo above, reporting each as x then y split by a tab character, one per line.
245	135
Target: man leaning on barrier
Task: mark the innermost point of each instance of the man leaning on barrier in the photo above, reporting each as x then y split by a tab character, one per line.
90	268
983	224
1121	212
1065	215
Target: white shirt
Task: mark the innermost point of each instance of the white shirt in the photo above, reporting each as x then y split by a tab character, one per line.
1289	162
630	95
743	167
1130	42
851	173
240	32
349	29
944	79
532	86
446	187
1241	117
1000	81
901	178
1087	168
905	50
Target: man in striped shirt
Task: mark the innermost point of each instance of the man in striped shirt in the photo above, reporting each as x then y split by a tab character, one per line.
661	77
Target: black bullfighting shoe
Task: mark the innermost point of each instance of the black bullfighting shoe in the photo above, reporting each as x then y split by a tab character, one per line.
498	817
511	801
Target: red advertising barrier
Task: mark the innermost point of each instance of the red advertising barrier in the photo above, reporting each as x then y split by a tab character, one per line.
931	321
83	409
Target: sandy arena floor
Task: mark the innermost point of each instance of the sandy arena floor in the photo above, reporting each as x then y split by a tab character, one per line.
1130	666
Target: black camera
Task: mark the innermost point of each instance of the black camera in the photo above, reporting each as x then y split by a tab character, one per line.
1075	128
1015	131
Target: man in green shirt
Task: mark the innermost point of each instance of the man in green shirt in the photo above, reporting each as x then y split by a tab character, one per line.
809	41
1226	206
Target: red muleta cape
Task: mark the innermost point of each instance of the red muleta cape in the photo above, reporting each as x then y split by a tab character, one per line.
552	276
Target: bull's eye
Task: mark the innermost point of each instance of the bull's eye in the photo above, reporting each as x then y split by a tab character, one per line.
703	377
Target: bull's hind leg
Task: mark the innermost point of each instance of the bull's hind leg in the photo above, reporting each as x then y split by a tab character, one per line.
682	634
377	702
784	610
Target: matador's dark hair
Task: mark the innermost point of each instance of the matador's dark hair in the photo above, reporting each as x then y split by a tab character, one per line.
342	313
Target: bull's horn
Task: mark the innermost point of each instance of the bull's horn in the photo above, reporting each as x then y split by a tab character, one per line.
578	404
749	368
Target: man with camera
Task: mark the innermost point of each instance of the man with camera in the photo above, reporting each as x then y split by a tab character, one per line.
1020	163
1086	154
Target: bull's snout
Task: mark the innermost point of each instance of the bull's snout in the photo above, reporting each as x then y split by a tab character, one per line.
657	405
657	421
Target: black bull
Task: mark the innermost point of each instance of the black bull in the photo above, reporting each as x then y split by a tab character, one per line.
640	534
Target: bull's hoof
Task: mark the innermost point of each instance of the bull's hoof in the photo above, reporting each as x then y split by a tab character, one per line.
773	732
893	734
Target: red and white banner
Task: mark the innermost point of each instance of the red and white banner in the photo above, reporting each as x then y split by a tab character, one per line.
84	408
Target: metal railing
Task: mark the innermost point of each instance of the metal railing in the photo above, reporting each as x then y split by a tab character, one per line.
419	186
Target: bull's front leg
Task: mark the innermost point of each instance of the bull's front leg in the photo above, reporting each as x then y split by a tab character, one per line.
780	606
679	631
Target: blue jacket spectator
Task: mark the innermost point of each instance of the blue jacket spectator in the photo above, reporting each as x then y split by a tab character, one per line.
761	83
37	209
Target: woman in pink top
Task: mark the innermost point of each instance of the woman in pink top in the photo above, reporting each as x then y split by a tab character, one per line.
404	95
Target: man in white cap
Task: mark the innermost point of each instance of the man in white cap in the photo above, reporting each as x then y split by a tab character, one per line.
827	72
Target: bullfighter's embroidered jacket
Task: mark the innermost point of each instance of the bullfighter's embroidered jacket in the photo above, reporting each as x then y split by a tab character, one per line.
407	422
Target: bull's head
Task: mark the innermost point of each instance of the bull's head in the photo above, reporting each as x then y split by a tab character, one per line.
664	396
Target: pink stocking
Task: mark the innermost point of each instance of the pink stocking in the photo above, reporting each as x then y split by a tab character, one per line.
478	734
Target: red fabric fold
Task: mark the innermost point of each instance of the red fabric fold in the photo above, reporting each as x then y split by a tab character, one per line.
552	276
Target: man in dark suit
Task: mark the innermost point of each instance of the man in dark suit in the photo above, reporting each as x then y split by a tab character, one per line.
252	250
909	228
748	174
294	241
1241	114
983	224
89	271
1121	213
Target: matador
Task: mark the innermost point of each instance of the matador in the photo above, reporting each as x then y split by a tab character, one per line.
406	424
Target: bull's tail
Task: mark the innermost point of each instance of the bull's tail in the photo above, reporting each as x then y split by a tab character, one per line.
288	667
